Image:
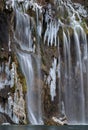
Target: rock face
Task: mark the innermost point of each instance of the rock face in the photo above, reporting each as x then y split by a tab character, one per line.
1	5
4	119
13	86
12	101
12	104
80	1
4	35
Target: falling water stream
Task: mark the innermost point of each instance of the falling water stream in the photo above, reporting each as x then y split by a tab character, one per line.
30	64
73	75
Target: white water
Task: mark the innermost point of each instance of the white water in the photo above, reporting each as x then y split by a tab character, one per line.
71	75
30	65
33	98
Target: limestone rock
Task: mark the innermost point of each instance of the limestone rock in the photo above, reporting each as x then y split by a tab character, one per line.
5	119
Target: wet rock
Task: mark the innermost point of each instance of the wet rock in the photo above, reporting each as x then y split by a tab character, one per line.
43	2
62	121
48	53
4	38
79	1
5	119
4	92
12	95
17	98
56	121
4	35
1	5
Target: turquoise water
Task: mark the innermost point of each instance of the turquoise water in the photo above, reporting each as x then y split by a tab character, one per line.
80	127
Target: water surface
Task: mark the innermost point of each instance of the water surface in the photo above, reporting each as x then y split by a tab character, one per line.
77	127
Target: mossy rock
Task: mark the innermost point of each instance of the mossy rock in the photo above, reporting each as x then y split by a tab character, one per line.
12	90
84	25
21	77
50	122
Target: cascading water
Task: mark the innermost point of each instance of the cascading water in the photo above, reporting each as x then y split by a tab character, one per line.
33	98
72	89
72	66
26	57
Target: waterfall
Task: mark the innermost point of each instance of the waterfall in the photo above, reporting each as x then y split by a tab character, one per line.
33	97
30	65
74	92
65	33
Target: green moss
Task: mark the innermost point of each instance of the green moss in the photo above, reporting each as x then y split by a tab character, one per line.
23	82
22	79
13	89
84	25
60	34
77	18
31	13
20	75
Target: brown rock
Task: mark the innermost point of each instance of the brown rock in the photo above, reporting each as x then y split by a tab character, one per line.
5	119
1	5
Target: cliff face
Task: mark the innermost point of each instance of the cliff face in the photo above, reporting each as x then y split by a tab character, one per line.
13	86
12	92
85	2
80	1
